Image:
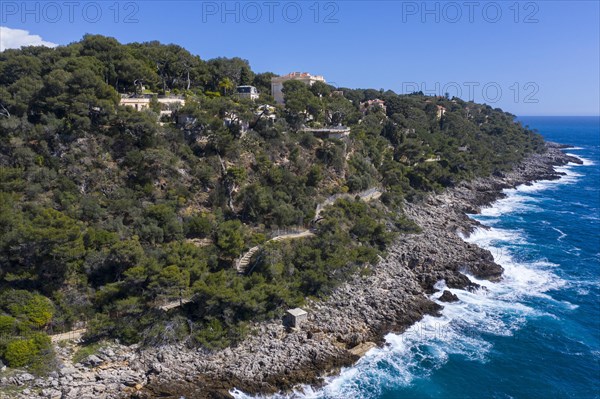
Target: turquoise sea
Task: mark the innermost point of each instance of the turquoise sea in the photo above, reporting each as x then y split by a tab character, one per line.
535	334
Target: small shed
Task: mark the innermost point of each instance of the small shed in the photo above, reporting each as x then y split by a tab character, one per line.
295	317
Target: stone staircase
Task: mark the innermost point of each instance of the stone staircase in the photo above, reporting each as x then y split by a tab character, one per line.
174	304
243	262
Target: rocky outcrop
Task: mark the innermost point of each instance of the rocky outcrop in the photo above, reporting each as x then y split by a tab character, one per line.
390	297
449	297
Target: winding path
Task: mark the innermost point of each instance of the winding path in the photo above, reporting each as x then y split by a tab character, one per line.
366	195
72	335
243	262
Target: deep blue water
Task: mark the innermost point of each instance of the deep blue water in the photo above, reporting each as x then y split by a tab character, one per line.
536	334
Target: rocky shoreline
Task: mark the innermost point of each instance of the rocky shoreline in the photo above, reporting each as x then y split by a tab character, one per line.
340	329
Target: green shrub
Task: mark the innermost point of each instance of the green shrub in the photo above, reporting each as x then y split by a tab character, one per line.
21	352
213	335
35	352
36	309
7	325
39	310
198	226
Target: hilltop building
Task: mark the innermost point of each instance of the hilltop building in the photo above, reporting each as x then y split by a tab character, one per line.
142	102
440	111
247	92
277	83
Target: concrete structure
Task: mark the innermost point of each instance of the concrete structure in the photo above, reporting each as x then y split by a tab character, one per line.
334	132
277	83
440	111
295	317
247	92
141	102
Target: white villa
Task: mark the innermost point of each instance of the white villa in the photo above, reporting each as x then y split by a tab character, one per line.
140	103
247	92
277	83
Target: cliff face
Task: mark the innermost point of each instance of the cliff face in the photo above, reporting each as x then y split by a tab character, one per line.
389	299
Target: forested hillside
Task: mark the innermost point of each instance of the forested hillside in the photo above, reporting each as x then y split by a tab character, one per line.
108	213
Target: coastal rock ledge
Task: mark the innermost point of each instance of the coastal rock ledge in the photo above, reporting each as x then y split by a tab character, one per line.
354	318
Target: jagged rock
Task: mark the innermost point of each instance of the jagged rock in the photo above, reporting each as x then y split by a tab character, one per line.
106	354
447	296
156	368
51	393
92	361
23	378
67	371
130	381
99	388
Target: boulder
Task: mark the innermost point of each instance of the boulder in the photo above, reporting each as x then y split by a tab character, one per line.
92	361
51	393
447	296
67	371
24	378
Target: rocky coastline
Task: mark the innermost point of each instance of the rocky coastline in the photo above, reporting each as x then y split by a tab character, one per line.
339	330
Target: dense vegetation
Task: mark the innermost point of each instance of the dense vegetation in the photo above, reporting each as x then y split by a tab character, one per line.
107	213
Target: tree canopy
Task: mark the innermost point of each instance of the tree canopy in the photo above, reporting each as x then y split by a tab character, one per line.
107	213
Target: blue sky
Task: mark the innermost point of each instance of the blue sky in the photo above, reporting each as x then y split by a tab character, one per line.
529	58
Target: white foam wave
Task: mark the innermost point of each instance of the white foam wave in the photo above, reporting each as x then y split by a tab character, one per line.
496	309
512	203
517	200
489	236
567	170
586	162
559	231
520	279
